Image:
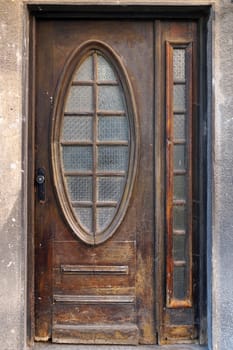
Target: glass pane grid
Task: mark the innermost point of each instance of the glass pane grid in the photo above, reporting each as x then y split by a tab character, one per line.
77	128
179	282
79	188
77	158
85	217
110	188
113	128
102	193
110	98
85	71
104	70
179	64
104	217
179	127
80	99
112	158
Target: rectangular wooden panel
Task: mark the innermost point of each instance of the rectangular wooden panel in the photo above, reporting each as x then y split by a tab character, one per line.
96	334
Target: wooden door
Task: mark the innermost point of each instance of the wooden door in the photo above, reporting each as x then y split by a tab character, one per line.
94	212
115	261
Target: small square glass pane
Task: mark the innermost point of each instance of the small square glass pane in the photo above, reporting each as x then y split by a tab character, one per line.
179	219
179	64
179	242
179	127
179	97
110	98
112	158
85	71
85	217
77	128
179	157
179	187
112	128
110	188
104	70
179	282
77	158
104	217
80	99
79	188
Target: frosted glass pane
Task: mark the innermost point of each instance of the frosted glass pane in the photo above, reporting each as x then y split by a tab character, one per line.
77	129
104	70
179	97
85	217
80	99
179	247
179	220
85	71
110	98
110	188
179	187
79	188
179	127
112	158
179	157
179	64
179	282
104	217
77	158
112	128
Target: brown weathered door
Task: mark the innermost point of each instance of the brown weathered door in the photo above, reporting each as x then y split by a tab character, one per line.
94	211
117	198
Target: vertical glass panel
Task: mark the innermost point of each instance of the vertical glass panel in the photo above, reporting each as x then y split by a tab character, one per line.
77	129
112	158
179	157
85	71
104	217
179	127
179	220
179	97
80	99
179	247
110	98
179	187
112	128
179	64
110	188
85	217
104	70
77	158
179	282
79	188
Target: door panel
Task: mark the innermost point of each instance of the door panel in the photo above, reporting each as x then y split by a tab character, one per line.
102	293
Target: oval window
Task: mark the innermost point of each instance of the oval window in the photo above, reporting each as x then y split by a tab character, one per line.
94	138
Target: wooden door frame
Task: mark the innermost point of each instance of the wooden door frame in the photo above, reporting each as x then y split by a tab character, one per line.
200	13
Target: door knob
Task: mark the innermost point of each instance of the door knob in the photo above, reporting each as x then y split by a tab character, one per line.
40	180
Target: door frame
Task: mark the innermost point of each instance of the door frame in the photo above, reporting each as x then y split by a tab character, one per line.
201	13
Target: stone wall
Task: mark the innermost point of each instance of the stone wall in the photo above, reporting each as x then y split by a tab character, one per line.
13	155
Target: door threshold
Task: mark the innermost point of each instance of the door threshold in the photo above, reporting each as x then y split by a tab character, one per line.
49	346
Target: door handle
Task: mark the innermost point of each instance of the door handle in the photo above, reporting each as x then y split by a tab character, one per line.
40	181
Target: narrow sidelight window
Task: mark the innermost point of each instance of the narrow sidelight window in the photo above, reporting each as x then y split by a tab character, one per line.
179	174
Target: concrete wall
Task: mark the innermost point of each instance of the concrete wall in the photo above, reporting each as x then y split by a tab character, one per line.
13	121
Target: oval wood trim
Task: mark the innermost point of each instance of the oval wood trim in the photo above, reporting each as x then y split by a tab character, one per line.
72	65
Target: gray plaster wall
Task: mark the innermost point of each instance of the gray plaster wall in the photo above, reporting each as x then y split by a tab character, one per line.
13	123
223	179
